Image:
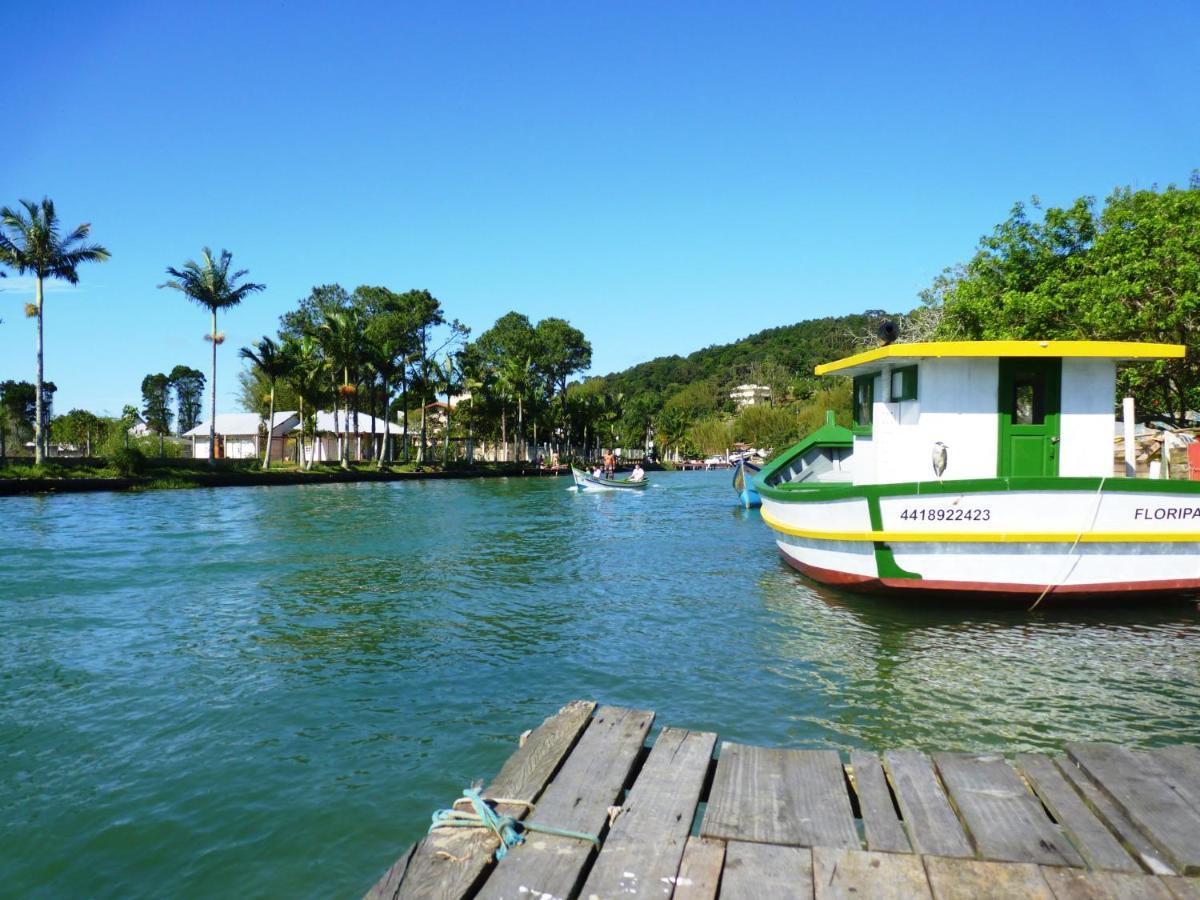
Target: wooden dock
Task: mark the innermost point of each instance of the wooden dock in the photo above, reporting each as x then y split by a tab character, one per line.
1099	821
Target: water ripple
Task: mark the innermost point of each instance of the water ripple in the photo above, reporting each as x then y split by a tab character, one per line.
266	691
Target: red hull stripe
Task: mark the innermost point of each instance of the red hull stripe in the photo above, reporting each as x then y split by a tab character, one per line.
873	584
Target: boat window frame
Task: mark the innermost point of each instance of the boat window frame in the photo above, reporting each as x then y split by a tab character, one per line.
908	384
859	426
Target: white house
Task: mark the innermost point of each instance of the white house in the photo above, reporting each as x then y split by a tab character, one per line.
241	435
364	432
750	395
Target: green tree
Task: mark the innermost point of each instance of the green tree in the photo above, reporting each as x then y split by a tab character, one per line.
269	359
19	409
711	436
305	373
1130	273
562	351
188	385
390	345
81	428
31	243
210	284
765	426
156	402
341	337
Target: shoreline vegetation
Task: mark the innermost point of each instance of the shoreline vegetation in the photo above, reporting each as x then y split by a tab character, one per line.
88	475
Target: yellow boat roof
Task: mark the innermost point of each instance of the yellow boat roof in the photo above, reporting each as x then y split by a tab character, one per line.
874	360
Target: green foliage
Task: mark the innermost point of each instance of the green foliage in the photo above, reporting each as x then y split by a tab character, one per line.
209	283
128	461
838	396
156	402
765	426
711	436
81	428
1131	272
188	384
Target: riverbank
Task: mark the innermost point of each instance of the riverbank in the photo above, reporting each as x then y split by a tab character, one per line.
76	476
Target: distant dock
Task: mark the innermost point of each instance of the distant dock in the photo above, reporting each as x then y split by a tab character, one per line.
668	820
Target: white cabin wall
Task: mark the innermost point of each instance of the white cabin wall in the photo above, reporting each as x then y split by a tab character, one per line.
956	404
1089	387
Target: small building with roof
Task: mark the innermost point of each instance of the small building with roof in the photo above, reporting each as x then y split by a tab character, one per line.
242	435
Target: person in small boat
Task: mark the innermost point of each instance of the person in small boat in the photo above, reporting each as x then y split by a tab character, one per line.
598	472
638	472
610	464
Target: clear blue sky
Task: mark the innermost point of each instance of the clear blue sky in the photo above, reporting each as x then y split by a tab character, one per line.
664	175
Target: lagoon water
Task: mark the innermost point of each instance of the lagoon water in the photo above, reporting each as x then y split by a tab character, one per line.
263	691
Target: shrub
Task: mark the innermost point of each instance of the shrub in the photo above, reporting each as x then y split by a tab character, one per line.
128	461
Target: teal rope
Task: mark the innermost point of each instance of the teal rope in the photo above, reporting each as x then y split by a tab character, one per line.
506	828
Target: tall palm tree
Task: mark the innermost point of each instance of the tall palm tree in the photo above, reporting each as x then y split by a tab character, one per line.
210	284
305	371
268	357
30	243
341	336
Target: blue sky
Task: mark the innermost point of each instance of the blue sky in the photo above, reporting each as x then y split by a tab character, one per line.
666	176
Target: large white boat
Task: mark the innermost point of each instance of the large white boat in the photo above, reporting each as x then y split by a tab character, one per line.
982	466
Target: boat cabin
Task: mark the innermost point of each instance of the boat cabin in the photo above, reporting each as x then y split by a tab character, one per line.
978	409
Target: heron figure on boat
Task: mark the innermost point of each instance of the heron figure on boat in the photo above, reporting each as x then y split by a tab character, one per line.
939	459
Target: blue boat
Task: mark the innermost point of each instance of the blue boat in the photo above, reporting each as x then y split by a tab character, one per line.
743	483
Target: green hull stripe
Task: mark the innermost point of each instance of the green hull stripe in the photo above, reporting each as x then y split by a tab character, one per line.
885	561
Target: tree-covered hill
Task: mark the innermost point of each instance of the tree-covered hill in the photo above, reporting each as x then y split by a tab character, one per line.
782	358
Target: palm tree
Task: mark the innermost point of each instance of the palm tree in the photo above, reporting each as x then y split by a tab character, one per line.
341	336
274	364
306	368
30	243
210	284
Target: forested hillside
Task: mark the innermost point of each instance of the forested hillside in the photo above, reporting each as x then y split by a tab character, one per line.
683	403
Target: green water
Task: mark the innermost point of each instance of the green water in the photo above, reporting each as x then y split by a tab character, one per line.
260	691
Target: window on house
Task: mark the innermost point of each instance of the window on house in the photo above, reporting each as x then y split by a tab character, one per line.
864	397
902	384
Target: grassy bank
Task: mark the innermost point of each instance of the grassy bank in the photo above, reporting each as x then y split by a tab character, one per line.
62	476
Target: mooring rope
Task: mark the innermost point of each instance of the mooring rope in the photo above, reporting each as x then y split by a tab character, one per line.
507	828
1074	562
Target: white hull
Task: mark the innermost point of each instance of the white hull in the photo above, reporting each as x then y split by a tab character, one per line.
1069	541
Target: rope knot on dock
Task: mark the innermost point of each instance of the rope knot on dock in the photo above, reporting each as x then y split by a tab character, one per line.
507	829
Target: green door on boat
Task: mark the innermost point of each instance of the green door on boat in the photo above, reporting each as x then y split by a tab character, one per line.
1029	404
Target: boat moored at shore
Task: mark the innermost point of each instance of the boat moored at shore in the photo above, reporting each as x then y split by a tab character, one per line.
983	467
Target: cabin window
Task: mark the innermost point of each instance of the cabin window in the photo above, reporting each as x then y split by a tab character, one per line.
903	384
1029	407
864	397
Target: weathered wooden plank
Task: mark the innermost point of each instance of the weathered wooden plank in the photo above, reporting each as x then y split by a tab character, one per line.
973	879
766	872
1182	888
882	825
1096	844
932	825
1078	884
1180	766
1006	821
1144	792
448	862
389	885
577	799
1127	833
849	874
700	870
795	797
642	851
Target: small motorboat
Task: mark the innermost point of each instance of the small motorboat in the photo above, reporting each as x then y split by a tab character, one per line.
586	482
743	483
